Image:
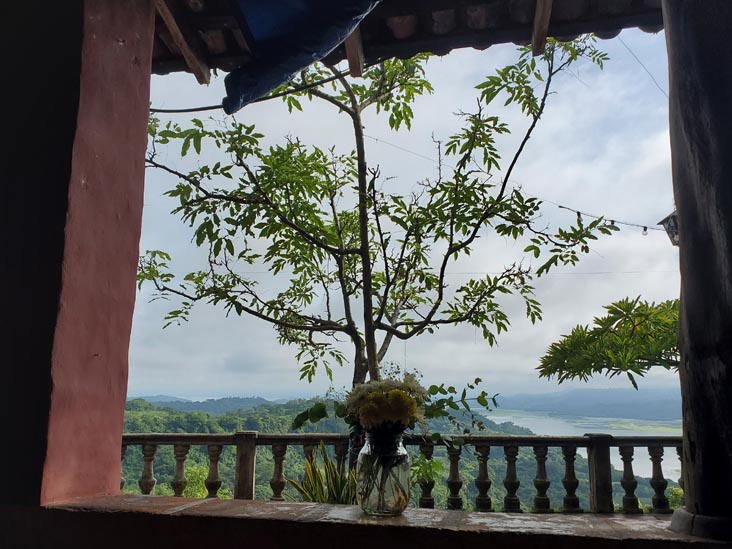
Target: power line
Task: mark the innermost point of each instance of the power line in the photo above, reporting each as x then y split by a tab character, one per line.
612	221
644	67
378	140
304	87
645	228
568	273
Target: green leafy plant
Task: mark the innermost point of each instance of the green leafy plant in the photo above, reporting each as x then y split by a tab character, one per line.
196	476
633	337
426	470
329	484
436	402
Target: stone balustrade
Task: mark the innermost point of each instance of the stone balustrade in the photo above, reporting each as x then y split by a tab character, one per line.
478	447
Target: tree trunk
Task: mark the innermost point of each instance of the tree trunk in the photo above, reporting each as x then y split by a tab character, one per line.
363	222
360	368
700	55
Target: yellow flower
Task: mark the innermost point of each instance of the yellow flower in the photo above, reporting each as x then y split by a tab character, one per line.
400	407
387	402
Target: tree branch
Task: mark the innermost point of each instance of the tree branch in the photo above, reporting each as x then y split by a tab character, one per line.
335	252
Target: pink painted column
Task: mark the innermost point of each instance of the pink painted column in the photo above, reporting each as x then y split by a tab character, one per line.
71	197
102	235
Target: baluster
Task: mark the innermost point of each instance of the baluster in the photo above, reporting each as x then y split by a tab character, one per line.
658	483
570	504
341	453
541	482
278	481
179	482
426	500
246	460
454	482
147	480
628	482
483	482
308	451
213	481
680	453
601	481
122	459
511	503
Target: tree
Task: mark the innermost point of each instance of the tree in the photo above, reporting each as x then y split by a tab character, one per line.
632	338
323	220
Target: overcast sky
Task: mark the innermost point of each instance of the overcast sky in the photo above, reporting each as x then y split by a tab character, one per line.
602	147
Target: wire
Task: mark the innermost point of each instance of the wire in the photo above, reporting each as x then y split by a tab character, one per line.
261	99
405	150
613	221
191	109
645	228
644	67
570	273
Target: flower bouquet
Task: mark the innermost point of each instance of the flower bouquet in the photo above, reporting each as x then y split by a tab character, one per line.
384	410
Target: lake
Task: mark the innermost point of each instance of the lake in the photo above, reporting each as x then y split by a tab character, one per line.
544	424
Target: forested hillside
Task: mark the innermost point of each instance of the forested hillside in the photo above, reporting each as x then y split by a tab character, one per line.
211	406
144	417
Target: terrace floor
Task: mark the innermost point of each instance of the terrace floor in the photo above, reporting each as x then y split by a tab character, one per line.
135	521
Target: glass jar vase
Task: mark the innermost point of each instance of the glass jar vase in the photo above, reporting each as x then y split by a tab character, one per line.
382	475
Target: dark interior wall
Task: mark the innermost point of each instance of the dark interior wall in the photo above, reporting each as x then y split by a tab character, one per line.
75	101
40	96
700	62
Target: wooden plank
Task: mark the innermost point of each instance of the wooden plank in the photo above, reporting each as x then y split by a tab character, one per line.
185	40
354	52
541	26
215	41
240	40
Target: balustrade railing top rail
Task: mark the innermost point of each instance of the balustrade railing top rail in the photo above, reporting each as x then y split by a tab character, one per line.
597	446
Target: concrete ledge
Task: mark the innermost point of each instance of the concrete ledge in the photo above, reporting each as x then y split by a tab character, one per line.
701	525
147	521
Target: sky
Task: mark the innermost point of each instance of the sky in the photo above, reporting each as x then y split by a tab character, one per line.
602	147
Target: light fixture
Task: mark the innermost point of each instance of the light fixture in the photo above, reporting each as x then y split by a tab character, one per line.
671	224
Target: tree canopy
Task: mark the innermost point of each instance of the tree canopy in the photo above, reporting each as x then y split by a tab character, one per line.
630	339
362	262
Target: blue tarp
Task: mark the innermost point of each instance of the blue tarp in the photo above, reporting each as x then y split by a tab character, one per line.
285	37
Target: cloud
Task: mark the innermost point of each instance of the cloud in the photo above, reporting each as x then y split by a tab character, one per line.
601	148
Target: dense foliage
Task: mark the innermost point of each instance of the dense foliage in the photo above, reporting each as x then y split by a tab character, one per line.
633	337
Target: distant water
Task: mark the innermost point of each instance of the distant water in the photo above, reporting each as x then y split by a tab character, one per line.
543	424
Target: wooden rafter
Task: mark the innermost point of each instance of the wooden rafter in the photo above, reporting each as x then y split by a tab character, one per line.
541	26
185	39
354	52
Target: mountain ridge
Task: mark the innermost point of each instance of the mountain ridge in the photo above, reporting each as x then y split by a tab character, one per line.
645	404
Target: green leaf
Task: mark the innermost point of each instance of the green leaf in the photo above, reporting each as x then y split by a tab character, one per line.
317	412
300	420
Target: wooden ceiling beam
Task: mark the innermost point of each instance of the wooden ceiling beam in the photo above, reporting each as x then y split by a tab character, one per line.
354	52
185	38
541	26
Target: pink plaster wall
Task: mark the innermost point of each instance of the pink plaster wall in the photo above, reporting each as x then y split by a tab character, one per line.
90	350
